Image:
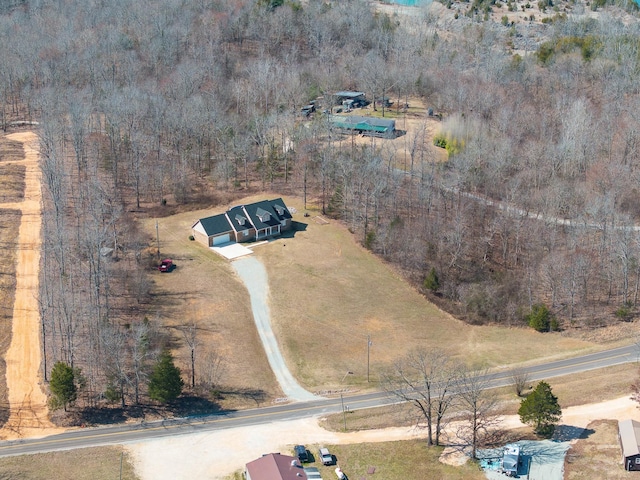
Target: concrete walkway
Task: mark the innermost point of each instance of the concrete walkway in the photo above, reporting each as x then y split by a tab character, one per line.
254	276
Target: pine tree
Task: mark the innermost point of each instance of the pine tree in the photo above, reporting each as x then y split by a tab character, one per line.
432	282
541	410
540	318
62	385
165	382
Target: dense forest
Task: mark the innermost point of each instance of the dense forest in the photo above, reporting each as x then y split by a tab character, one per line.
163	105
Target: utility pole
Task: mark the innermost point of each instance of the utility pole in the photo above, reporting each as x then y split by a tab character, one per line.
368	349
158	239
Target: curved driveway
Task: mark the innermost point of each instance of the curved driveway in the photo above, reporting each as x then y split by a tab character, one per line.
254	276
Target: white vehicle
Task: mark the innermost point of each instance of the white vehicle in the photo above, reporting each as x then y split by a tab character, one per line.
340	474
325	457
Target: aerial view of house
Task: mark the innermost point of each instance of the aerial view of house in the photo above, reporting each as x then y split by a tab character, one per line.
244	223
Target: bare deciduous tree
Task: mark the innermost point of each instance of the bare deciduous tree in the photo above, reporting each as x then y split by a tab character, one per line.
426	379
478	404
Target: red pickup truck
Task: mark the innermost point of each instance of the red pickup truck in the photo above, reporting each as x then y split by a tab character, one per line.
166	265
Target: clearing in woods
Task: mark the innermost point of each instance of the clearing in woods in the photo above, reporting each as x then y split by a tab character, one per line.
28	413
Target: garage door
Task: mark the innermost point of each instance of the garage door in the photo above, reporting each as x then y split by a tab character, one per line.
221	239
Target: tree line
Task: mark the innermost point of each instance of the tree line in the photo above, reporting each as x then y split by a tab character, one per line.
192	103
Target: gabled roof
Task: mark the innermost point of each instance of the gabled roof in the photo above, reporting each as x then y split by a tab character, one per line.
349	94
274	466
259	215
281	209
215	225
629	431
371	124
262	214
236	216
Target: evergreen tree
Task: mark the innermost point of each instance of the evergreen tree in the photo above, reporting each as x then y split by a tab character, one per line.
432	282
165	382
541	410
62	385
540	318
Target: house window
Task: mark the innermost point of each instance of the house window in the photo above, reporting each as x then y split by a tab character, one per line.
245	233
283	223
637	460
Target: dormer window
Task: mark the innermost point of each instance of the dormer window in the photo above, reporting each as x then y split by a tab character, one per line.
263	215
280	209
240	219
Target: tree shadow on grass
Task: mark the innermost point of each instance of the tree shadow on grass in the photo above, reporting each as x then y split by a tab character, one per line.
566	433
184	406
187	406
256	395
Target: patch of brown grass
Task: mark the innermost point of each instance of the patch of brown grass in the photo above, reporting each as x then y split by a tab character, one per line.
204	289
12	184
394	461
578	389
328	294
102	463
9	225
596	456
10	150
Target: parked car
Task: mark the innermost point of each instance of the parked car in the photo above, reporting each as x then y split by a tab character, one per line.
308	110
301	453
325	457
312	473
167	265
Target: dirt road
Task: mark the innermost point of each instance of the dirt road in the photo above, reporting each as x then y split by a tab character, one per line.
28	403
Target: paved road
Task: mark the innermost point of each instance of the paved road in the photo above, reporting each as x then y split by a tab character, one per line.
135	433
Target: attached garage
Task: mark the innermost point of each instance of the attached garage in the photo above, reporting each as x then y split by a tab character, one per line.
220	239
213	231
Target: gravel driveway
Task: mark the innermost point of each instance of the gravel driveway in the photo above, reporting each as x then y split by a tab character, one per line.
254	276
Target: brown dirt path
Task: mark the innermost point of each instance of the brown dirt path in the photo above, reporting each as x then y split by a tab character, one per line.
27	401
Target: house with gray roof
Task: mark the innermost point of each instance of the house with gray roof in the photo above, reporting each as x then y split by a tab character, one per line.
244	223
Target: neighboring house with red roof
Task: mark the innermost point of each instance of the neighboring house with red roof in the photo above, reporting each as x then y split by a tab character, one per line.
629	437
274	466
244	223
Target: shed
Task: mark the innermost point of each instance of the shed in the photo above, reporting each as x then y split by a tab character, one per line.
629	437
274	466
381	127
358	99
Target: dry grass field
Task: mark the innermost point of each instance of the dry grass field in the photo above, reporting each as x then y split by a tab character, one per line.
394	461
588	387
9	224
12	186
103	463
204	289
327	295
596	456
11	190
